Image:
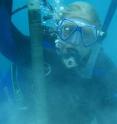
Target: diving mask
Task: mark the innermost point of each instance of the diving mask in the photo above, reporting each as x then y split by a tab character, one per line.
74	31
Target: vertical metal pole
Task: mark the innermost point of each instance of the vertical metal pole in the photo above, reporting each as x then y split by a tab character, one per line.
37	65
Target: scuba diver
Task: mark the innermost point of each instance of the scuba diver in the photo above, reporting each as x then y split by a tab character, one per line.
80	79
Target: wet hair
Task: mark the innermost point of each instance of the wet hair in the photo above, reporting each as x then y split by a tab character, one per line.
81	10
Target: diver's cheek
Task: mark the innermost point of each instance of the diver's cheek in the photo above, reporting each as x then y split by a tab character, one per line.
83	51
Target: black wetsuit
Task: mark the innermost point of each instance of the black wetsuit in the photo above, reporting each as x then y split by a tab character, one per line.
71	99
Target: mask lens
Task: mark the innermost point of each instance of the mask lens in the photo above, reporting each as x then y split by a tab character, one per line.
67	28
89	35
75	39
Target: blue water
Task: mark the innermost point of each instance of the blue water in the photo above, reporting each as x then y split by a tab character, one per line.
110	43
21	21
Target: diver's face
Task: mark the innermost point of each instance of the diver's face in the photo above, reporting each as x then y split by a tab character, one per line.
72	55
76	39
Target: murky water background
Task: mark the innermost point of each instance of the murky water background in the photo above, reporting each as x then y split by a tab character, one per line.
8	110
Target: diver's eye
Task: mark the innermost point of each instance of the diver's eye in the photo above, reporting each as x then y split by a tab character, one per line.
66	30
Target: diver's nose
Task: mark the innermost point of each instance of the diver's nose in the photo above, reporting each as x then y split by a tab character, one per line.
70	52
76	38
